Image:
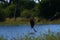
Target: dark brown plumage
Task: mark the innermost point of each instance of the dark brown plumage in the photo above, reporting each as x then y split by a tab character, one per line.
32	23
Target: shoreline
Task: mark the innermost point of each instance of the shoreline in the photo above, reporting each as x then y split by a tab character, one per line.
25	21
29	24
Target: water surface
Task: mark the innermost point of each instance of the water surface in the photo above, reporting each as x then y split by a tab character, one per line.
21	30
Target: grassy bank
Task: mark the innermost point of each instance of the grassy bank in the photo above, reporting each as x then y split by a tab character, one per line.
11	21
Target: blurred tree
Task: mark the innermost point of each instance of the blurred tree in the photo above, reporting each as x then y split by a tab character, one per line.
47	8
2	15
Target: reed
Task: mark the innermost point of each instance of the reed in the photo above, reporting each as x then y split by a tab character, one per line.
49	36
11	21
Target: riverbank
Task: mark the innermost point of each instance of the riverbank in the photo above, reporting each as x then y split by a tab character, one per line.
18	21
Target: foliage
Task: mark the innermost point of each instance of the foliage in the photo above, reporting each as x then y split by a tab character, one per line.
44	36
19	8
48	8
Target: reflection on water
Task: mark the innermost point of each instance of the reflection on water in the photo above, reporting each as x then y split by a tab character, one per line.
21	30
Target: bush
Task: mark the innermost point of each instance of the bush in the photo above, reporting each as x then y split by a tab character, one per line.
25	13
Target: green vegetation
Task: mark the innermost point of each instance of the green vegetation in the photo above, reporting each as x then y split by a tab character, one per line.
18	21
49	36
44	10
